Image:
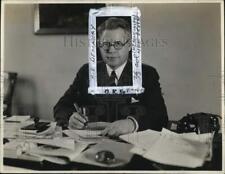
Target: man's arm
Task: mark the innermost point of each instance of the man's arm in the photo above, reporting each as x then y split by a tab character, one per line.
65	106
155	116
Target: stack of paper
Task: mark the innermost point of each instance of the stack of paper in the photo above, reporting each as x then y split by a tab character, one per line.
17	118
12	125
13	128
48	133
58	150
166	147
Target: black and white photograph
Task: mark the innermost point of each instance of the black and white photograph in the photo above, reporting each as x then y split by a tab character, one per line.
130	86
117	70
105	55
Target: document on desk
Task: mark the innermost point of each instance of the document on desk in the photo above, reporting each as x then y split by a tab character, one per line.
51	151
78	135
17	118
60	151
170	148
11	129
16	149
13	124
88	133
57	142
176	151
143	139
206	138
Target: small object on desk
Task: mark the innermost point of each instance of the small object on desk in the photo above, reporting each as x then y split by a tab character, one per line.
36	121
5	140
36	126
199	123
105	156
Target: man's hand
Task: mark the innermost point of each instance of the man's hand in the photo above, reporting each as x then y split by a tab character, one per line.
77	121
119	127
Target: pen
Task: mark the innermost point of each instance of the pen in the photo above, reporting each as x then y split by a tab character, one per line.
12	121
80	112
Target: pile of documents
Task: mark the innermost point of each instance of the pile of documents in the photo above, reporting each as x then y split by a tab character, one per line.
13	127
57	150
166	147
31	145
17	118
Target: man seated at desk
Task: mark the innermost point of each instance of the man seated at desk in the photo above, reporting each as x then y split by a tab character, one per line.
120	113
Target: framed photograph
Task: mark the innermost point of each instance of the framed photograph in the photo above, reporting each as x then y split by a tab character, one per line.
62	18
98	83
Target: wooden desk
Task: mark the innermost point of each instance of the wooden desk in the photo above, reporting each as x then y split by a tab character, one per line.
136	163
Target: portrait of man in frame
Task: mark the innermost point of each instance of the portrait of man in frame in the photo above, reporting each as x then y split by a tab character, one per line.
114	50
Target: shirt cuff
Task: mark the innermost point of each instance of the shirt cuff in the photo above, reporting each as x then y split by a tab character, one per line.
135	123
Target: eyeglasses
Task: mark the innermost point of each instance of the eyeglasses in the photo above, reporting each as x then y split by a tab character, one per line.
117	45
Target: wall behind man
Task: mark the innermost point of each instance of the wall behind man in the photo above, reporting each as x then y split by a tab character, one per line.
181	41
46	65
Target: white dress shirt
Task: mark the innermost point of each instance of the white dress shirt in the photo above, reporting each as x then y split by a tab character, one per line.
118	71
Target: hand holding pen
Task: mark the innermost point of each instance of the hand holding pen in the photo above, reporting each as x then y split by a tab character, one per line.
78	120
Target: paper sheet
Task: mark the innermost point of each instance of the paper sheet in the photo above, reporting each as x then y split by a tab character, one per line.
138	151
11	149
87	133
57	142
206	138
167	147
76	134
177	151
88	139
50	151
144	139
11	129
17	118
32	152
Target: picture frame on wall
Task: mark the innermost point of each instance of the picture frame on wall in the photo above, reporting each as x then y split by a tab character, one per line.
62	18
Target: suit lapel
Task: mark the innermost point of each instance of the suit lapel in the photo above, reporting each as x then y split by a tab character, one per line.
126	76
102	75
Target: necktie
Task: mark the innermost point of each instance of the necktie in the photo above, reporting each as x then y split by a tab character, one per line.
112	79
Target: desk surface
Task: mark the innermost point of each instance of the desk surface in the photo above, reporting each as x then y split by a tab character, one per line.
136	163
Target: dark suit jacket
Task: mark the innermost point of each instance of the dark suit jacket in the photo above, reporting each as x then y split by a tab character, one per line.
103	77
147	108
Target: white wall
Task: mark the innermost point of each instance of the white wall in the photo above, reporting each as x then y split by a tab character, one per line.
181	41
189	62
